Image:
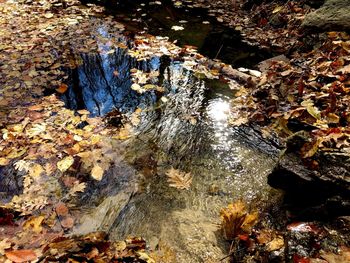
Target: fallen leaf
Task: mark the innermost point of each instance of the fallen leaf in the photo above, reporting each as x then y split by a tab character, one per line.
65	163
68	222
21	255
97	172
61	209
62	88
275	244
34	224
178	179
342	257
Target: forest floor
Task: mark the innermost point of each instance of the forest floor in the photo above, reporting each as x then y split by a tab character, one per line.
49	154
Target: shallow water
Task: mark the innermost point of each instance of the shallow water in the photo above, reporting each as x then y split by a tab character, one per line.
185	127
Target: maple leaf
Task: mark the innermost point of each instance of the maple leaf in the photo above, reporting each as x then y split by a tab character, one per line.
178	179
235	220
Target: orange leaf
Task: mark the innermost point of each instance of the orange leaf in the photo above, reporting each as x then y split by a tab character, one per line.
21	255
61	209
68	222
62	88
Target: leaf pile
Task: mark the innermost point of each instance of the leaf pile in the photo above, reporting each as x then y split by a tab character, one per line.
310	92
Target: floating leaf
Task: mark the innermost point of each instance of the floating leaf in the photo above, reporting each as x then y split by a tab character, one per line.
177	28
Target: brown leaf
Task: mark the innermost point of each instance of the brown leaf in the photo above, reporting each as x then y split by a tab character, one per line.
178	179
68	222
342	257
61	209
21	255
236	220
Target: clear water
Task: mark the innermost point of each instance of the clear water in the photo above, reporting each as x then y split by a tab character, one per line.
188	131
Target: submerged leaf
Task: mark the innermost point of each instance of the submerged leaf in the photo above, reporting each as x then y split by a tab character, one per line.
178	179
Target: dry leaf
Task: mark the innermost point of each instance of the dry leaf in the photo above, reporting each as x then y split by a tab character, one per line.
275	244
97	172
35	170
62	88
342	257
21	255
36	130
236	220
68	222
178	179
61	209
65	163
77	187
34	224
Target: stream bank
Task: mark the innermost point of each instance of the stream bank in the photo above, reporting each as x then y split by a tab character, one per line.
116	178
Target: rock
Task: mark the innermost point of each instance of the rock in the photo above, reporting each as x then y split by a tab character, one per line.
333	15
314	193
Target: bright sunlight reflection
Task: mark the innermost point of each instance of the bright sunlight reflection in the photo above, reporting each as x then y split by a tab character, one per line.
218	110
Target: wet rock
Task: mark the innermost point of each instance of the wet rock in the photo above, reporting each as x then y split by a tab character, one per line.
333	15
314	193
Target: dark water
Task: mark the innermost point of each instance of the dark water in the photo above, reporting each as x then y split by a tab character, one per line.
213	40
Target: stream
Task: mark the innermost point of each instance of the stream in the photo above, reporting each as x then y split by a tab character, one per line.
185	127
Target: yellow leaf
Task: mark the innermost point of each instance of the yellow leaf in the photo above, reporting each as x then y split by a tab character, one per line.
95	139
236	220
4	161
65	163
34	224
35	170
36	130
275	244
249	221
15	154
97	172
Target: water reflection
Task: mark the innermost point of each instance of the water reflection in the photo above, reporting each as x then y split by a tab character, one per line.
189	132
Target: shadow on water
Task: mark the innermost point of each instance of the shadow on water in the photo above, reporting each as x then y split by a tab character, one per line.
212	39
